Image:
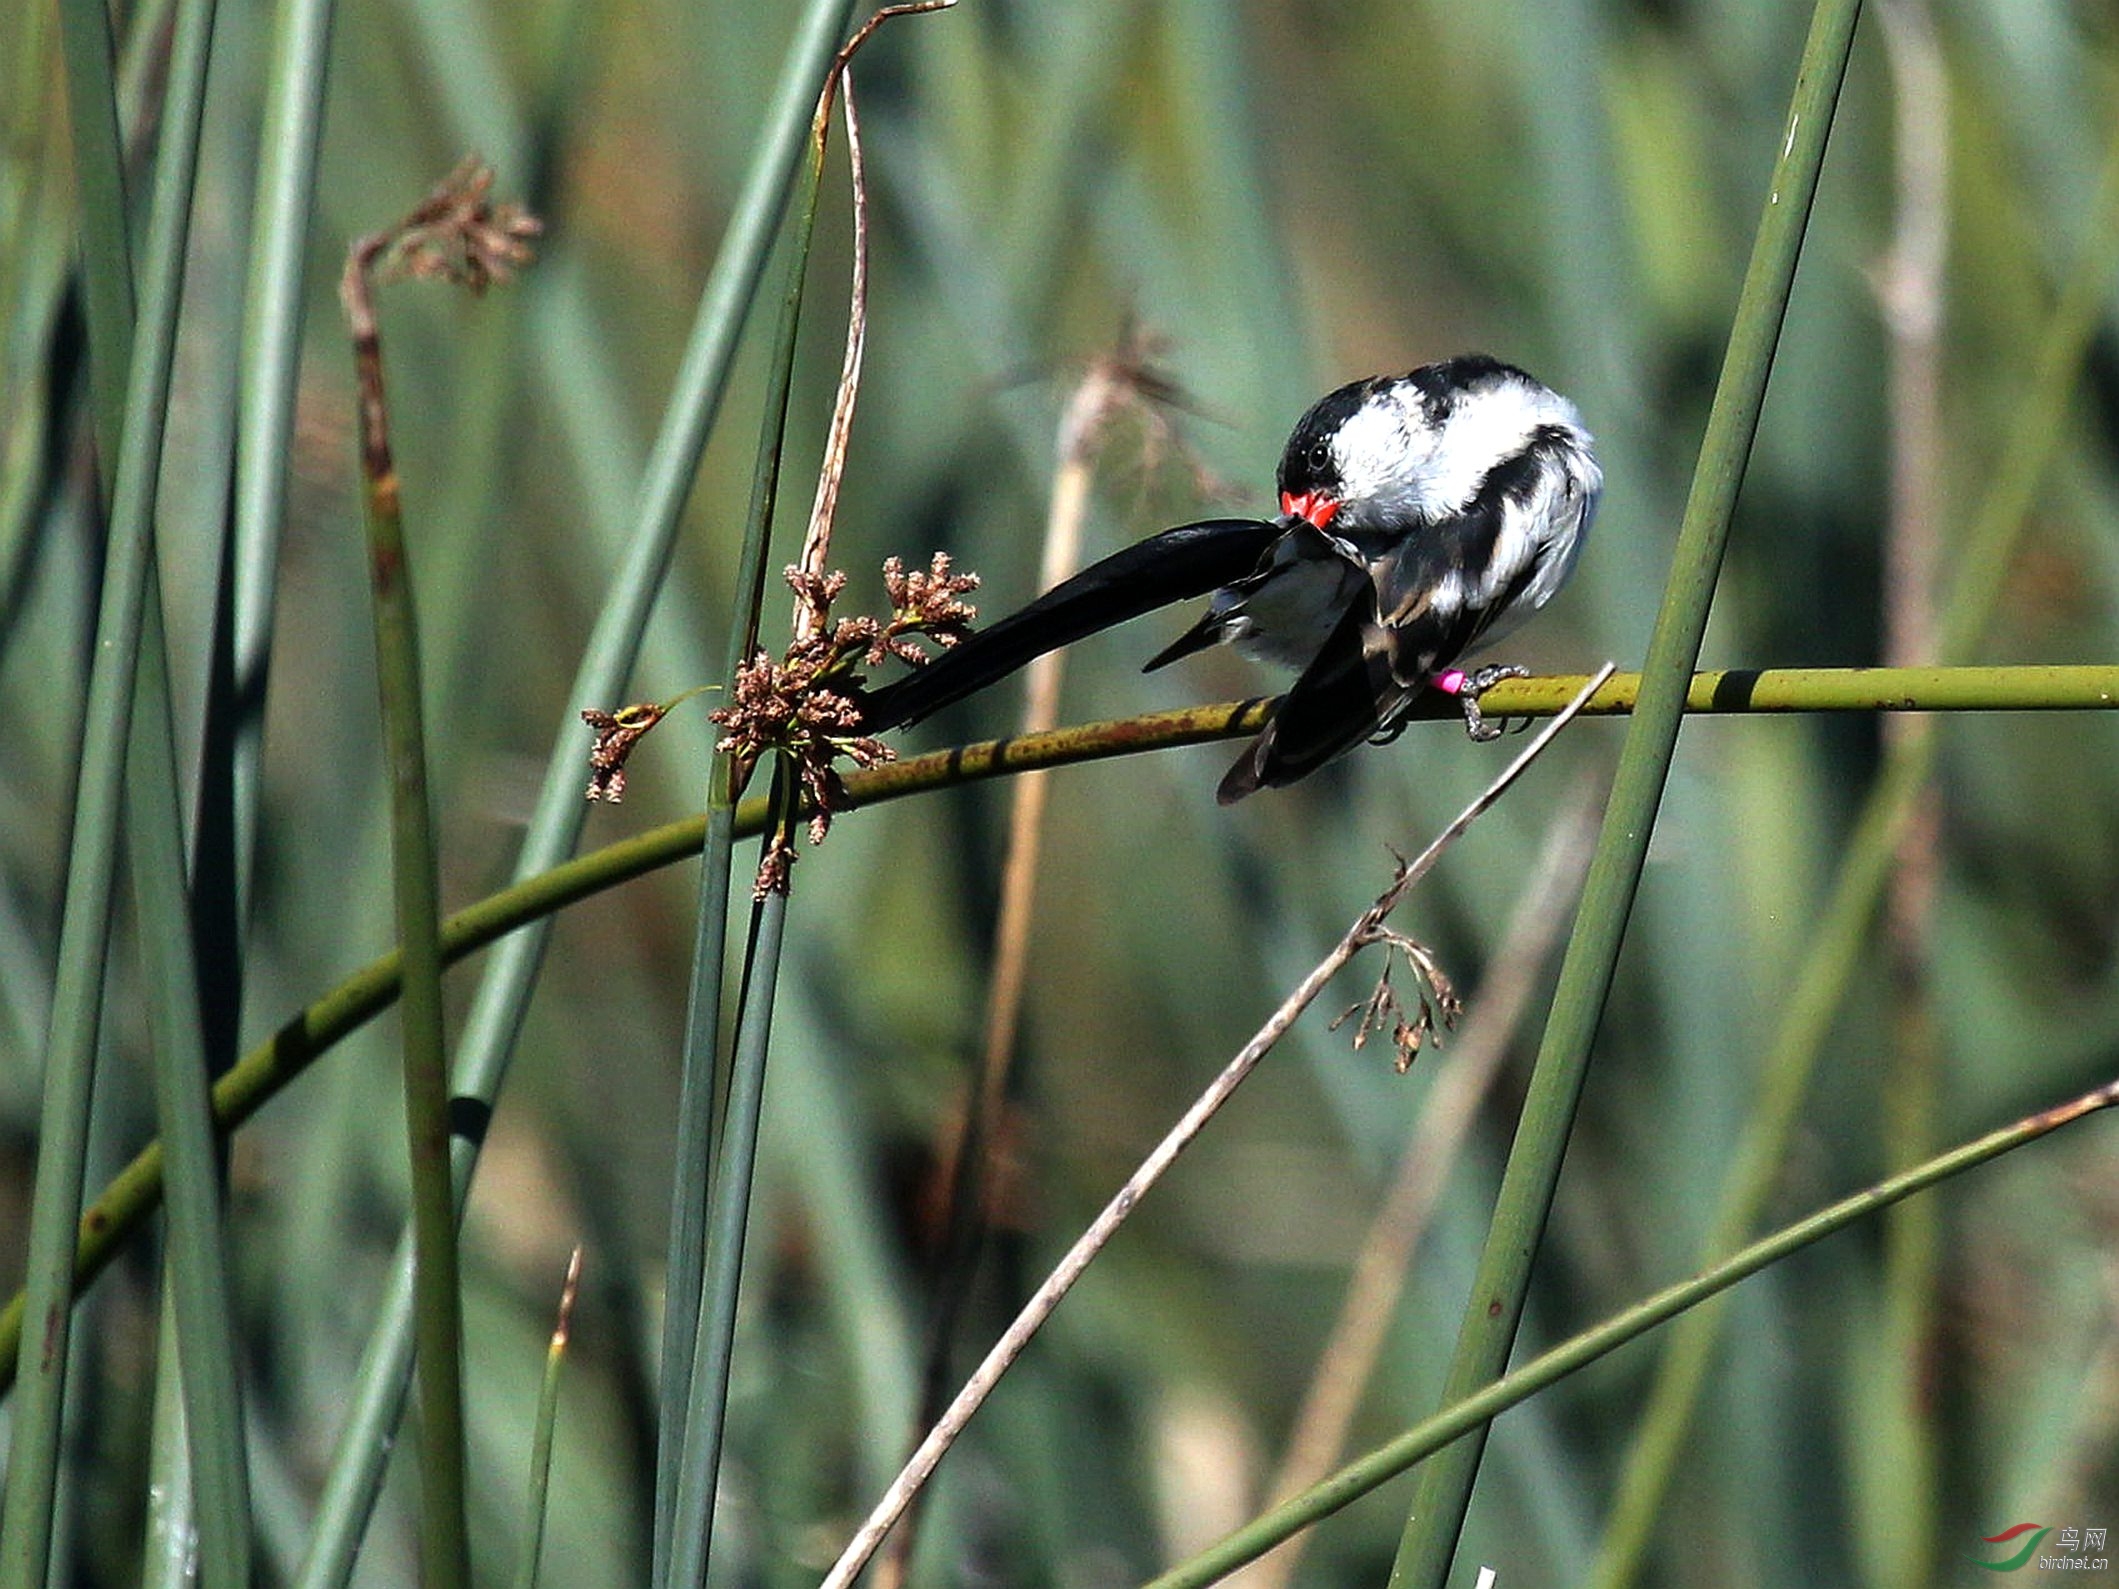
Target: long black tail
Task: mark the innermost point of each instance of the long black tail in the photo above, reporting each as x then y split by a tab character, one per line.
1187	561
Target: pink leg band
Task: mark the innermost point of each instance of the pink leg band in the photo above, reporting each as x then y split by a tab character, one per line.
1451	681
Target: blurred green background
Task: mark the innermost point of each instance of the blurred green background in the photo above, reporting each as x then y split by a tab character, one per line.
1292	196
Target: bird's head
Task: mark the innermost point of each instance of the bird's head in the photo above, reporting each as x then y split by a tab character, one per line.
1378	453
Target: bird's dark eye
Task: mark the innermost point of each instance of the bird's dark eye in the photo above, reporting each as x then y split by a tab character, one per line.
1320	456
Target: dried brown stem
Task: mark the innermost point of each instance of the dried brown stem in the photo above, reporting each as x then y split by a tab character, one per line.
569	1293
816	540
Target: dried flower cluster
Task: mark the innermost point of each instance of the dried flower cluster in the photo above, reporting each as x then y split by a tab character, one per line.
458	235
800	706
1437	1006
804	705
616	735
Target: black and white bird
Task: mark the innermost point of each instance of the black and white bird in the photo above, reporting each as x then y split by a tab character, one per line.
1422	518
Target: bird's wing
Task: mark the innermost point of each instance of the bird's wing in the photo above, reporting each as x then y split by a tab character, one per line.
1470	577
1336	703
1294	593
1433	596
1189	560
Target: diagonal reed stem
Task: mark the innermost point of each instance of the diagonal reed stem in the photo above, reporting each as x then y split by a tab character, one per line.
1460	1418
1495	1306
1819	986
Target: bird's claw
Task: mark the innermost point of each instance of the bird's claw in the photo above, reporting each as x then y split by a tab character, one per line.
1468	687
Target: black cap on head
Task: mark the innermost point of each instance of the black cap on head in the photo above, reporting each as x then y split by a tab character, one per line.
1306	464
1442	383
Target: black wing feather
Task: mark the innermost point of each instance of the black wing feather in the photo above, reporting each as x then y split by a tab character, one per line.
1333	706
1187	561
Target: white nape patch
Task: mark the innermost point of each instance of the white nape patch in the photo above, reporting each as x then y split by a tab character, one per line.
1378	453
1393	463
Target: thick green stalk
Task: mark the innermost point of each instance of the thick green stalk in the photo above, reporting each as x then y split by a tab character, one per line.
692	1181
497	1010
692	1516
1464	1417
1495	1307
270	1066
1837	948
437	1303
130	431
197	1267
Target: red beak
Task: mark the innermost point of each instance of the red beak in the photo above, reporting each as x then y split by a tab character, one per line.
1311	506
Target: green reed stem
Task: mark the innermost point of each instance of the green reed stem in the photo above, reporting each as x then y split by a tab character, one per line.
696	1125
713	1346
1819	986
555	1357
445	1549
130	430
268	371
1495	1306
1461	1418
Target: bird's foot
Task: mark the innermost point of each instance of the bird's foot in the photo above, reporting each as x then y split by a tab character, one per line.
1468	687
